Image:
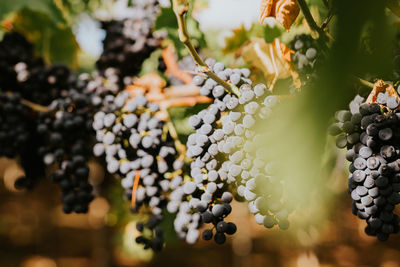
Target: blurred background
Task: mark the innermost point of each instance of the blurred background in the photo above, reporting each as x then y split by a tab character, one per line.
34	232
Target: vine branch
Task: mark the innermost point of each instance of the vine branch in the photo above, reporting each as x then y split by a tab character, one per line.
327	20
180	8
309	18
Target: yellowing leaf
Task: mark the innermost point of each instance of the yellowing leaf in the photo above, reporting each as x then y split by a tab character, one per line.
272	59
284	11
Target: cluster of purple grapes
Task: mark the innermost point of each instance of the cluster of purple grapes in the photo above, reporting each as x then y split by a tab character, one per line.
130	41
371	134
26	130
16	134
59	136
225	159
136	146
306	56
65	134
13	139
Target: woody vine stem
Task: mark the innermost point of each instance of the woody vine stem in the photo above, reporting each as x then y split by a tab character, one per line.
180	8
309	18
322	34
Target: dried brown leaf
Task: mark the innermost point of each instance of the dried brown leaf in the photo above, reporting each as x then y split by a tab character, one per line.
266	10
381	87
284	11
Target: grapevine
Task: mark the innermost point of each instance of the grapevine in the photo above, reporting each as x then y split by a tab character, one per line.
183	130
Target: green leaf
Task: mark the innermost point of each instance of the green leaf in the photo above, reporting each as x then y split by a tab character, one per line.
270	33
166	19
54	42
173	36
234	42
242	35
47	7
151	63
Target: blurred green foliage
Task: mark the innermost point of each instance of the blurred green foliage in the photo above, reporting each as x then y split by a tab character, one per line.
54	42
47	7
242	35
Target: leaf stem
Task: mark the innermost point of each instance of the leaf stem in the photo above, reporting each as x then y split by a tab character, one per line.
180	8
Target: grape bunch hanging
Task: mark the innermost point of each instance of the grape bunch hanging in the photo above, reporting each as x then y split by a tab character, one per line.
54	120
130	41
225	156
137	147
370	132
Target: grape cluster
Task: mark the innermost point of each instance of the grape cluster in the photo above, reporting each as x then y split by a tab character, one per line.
305	56
371	133
65	133
44	84
151	234
21	72
187	220
24	77
17	137
137	148
130	41
101	88
15	53
14	127
223	152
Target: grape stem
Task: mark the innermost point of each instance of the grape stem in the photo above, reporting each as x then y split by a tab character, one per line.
173	68
362	82
180	8
34	106
134	188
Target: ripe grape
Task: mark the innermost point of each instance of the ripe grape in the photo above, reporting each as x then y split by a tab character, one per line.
374	169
